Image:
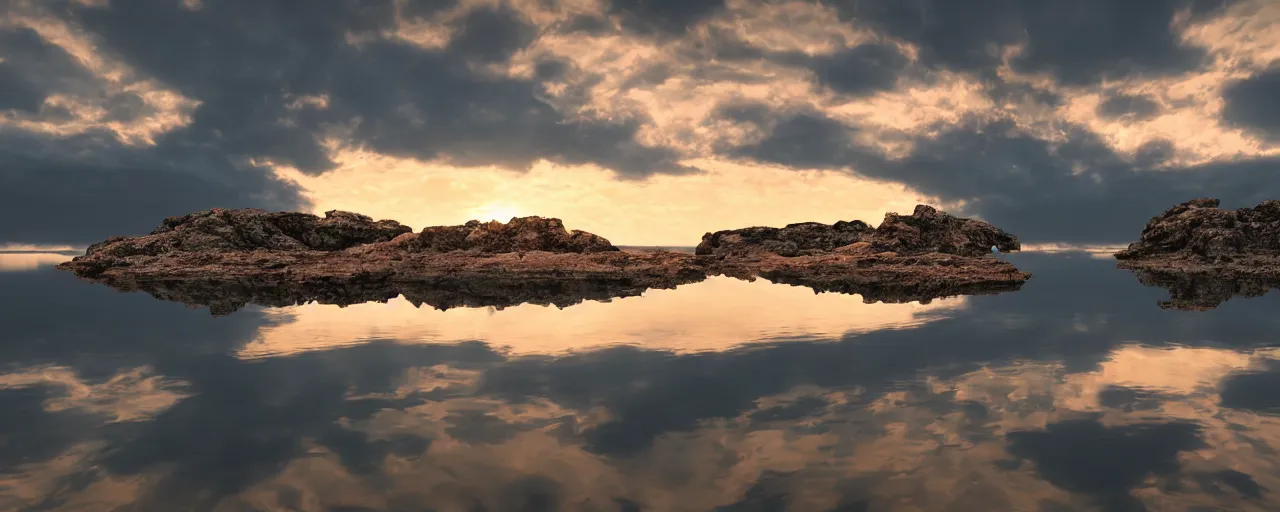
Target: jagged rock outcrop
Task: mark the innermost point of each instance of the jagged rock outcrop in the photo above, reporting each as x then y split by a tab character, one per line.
1203	291
1200	232
802	239
926	230
521	234
227	258
1204	254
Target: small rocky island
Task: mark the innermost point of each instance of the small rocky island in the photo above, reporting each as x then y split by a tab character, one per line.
1205	255
917	257
226	258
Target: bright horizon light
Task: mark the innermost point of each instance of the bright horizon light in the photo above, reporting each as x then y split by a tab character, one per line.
499	212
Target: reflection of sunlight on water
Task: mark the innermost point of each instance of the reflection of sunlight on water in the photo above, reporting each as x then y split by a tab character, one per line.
712	315
27	261
1101	252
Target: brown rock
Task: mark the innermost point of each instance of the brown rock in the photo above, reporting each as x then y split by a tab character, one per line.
227	258
1203	254
249	229
520	234
805	238
921	256
926	230
1198	230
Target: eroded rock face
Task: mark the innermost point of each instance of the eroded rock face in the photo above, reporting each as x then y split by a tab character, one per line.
1199	230
926	230
521	234
800	239
249	229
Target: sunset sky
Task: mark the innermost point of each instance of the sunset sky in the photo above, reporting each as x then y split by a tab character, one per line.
649	122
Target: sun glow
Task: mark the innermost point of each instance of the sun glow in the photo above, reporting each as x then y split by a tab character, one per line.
495	211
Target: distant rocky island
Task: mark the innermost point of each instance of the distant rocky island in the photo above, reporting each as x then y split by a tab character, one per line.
1204	254
226	258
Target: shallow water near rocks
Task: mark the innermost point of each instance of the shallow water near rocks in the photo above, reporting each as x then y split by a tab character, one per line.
1078	392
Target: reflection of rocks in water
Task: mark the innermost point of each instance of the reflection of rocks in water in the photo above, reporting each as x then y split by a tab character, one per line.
224	297
345	258
895	292
1202	291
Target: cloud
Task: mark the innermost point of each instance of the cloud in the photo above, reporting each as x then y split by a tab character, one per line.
32	69
1122	105
862	69
1077	42
379	93
1252	103
80	189
662	16
1018	180
1094	101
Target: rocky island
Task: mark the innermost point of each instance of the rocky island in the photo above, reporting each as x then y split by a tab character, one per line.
917	257
1205	255
226	258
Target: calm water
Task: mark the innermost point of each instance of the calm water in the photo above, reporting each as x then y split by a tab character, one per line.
1076	393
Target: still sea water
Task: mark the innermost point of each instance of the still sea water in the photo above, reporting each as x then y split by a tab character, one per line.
1076	393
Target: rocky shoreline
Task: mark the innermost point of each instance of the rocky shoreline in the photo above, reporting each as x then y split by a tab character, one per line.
224	259
1204	254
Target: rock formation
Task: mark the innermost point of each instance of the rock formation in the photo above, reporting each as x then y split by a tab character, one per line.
1198	234
925	255
227	258
225	296
1202	292
1204	254
926	230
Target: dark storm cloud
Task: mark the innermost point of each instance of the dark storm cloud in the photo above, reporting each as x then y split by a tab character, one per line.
1254	103
662	17
491	35
31	69
425	9
806	139
1077	41
248	63
1127	105
862	69
84	188
248	60
1078	191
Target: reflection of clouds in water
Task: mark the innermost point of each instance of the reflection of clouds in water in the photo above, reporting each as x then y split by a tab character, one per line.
70	405
50	482
716	314
898	420
990	439
131	395
25	261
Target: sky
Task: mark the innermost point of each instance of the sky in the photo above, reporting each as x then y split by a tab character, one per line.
649	122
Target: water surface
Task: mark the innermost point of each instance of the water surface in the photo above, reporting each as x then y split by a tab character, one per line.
1078	392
